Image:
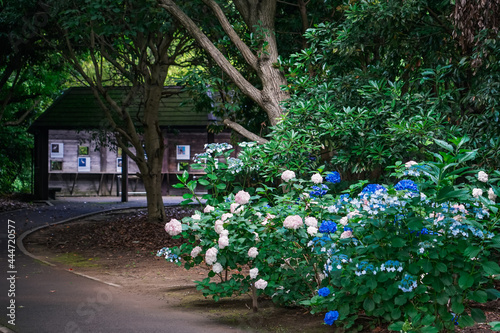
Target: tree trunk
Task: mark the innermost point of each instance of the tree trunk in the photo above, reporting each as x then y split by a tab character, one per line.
255	13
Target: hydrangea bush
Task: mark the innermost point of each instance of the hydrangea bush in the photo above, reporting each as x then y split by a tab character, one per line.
413	254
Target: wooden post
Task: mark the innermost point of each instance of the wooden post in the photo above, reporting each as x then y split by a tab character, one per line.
124	176
41	161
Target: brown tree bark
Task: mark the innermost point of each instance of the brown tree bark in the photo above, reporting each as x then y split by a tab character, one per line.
255	13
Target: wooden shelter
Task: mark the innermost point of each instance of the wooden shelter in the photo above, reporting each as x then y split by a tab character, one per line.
69	160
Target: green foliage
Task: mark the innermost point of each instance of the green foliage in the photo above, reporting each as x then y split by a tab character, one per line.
384	79
412	255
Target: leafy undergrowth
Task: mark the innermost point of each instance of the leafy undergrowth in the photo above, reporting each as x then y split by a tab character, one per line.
9	202
127	234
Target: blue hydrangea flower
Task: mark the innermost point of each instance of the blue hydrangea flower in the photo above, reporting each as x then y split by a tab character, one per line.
319	191
372	188
331	317
323	292
333	177
347	229
408	283
406	184
328	227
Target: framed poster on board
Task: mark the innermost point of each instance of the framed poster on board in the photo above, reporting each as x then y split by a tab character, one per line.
183	166
119	164
83	164
183	152
56	150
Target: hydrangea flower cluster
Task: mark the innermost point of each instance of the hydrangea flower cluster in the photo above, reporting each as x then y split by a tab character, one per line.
364	267
373	189
333	177
168	254
335	262
406	184
323	292
331	317
391	266
327	226
319	191
408	283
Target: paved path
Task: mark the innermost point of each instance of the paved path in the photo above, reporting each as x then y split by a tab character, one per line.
51	300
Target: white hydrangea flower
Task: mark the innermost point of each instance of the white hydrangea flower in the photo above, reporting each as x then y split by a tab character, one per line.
254	272
477	192
287	175
311	221
260	284
174	227
195	252
316	178
208	209
223	242
491	195
312	231
217	268
211	256
253	252
482	176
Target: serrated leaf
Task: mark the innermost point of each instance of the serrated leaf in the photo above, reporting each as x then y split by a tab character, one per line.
465	321
465	281
429	329
495	325
368	304
457	307
398	242
493	294
478	315
480	296
397	326
491	268
472	251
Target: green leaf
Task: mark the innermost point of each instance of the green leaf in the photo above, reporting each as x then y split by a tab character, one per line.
478	315
441	267
465	281
397	326
495	241
493	294
368	305
472	251
444	144
429	329
466	321
221	186
480	296
400	300
203	182
398	242
457	307
491	268
495	325
187	196
428	319
178	185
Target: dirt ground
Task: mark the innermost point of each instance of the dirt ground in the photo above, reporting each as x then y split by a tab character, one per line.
120	248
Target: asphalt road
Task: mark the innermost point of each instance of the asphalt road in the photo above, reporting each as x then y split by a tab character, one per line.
51	300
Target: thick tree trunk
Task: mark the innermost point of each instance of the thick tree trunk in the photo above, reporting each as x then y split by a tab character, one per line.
255	13
156	208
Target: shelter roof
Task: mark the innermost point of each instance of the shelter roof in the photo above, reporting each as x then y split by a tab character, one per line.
77	108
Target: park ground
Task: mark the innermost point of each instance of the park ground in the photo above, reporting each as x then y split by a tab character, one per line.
120	248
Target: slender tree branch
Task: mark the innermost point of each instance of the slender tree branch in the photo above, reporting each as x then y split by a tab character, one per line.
243	131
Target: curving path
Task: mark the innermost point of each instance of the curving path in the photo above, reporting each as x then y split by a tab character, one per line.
50	300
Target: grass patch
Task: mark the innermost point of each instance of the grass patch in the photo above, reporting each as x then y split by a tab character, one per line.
76	260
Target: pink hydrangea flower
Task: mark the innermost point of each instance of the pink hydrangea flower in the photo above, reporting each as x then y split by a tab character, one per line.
254	272
344	220
223	242
218	226
316	178
234	208
196	217
287	175
293	222
242	197
173	227
195	252
211	256
409	164
311	221
217	268
260	284
226	216
208	209
253	252
346	234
